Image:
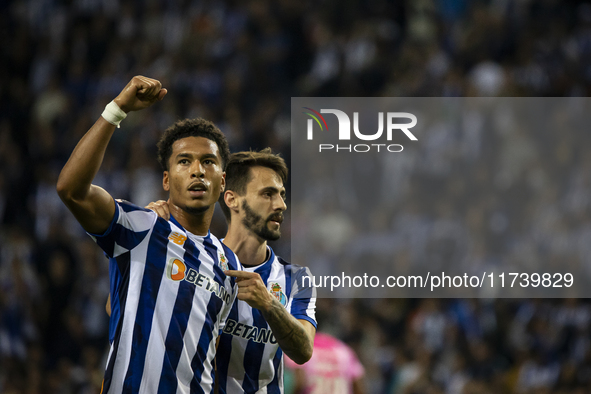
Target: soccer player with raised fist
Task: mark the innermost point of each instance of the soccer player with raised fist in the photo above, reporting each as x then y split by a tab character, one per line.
169	295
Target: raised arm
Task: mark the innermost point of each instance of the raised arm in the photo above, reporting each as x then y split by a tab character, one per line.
294	336
92	206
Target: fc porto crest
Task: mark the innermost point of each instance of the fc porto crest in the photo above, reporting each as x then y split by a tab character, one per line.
276	291
223	261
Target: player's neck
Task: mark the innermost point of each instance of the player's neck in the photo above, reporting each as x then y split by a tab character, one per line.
250	248
195	223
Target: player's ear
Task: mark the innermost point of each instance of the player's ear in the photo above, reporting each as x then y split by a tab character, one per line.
231	200
165	181
223	187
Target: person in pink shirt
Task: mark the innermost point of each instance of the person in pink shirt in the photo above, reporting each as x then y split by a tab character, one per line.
333	369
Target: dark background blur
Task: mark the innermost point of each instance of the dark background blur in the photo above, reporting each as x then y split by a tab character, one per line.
238	63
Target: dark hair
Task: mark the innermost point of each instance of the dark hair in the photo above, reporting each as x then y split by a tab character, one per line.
191	128
238	173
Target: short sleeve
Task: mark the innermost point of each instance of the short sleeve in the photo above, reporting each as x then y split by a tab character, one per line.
129	227
303	295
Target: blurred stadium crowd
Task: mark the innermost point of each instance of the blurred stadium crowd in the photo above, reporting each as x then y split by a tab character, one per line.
238	63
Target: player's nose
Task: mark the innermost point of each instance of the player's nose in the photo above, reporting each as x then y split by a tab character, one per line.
279	204
197	170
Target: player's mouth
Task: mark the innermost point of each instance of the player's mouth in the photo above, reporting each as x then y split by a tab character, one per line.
197	189
276	220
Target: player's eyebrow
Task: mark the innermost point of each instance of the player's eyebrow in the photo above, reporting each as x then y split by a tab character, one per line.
184	155
274	190
209	156
201	157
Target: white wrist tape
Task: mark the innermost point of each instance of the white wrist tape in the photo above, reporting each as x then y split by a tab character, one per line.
113	114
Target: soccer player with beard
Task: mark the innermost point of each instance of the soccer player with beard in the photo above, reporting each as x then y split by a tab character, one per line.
275	314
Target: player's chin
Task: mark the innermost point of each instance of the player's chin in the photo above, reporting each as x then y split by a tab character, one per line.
203	200
273	235
197	207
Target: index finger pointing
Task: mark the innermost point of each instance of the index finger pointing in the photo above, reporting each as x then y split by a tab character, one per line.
239	274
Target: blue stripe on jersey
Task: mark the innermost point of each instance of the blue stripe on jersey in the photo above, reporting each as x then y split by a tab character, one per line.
128	239
172	219
198	363
224	349
287	272
157	249
118	300
119	277
273	387
125	238
211	250
106	243
308	318
225	344
254	350
265	269
178	325
232	263
231	257
109	371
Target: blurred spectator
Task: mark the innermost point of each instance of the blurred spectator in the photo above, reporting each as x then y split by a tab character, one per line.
333	369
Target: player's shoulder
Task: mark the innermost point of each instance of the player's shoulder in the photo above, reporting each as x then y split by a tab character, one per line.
127	206
281	261
294	269
133	217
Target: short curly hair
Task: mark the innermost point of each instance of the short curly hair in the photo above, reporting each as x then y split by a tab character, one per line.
238	173
197	127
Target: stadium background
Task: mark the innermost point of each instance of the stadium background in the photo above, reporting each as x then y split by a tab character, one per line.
238	64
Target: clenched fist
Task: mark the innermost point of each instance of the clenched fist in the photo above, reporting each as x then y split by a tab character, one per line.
140	93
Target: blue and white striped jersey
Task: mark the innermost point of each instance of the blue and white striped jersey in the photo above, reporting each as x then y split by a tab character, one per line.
169	301
249	359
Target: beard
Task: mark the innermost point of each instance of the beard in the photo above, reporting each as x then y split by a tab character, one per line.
255	223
